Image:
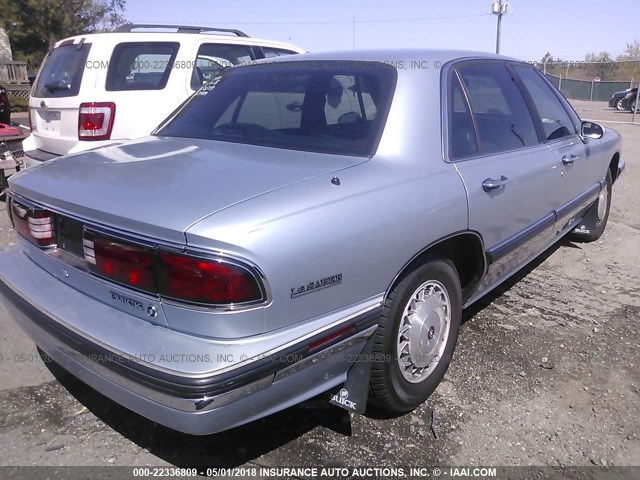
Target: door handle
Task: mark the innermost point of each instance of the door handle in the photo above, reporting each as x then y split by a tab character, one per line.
569	159
492	184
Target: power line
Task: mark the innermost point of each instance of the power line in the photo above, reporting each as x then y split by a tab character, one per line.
326	22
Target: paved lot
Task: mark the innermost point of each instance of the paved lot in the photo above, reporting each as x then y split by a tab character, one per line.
547	372
600	111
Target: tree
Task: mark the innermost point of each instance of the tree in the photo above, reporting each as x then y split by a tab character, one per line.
34	26
602	57
632	52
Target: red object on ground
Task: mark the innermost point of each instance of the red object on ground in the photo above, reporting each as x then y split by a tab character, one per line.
9	131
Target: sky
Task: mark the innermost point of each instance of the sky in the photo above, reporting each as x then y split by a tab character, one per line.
568	29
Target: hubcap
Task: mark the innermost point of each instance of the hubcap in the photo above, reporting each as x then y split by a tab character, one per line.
423	331
602	203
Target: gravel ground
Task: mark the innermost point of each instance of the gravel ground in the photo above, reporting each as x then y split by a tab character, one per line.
547	372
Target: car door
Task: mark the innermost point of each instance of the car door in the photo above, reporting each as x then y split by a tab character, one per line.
579	186
511	179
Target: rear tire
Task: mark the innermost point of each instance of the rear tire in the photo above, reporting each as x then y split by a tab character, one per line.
416	337
595	220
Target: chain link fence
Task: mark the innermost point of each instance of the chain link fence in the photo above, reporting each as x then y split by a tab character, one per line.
610	87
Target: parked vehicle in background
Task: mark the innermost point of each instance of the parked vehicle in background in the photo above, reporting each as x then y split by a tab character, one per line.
299	226
629	101
98	89
632	101
5	106
623	99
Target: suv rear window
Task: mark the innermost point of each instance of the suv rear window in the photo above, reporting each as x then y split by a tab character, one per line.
61	73
141	65
292	105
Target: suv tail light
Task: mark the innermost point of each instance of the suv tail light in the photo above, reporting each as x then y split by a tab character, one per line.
171	275
95	120
34	225
205	281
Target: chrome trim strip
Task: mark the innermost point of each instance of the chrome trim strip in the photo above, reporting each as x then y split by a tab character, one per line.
322	355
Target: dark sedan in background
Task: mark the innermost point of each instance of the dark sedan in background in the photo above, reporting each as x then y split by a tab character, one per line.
624	99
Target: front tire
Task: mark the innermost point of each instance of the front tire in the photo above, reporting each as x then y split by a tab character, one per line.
595	220
416	337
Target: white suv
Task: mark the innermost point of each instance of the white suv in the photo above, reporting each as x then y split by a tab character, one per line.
94	90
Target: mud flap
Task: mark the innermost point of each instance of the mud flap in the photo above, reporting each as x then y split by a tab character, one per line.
353	394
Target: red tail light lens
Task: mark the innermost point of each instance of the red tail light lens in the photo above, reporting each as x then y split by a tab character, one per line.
205	281
95	120
171	275
119	261
34	225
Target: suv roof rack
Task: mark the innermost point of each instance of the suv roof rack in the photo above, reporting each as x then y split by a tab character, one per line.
128	27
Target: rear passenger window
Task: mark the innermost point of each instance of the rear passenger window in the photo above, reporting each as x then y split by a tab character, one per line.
502	116
462	135
141	65
556	122
212	58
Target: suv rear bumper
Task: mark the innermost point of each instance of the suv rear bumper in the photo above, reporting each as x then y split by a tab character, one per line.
219	400
35	157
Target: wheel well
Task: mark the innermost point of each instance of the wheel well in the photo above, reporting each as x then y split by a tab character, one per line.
465	250
613	167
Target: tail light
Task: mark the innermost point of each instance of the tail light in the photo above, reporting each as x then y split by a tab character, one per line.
33	224
205	281
121	262
95	120
171	275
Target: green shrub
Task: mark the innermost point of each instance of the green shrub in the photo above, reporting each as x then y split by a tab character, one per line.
18	104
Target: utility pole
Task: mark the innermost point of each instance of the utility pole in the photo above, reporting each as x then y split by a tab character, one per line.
354	31
498	8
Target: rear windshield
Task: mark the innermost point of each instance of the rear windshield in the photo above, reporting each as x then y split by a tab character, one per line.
328	107
141	65
61	73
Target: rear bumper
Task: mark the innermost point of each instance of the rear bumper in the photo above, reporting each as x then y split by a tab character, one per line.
211	402
35	157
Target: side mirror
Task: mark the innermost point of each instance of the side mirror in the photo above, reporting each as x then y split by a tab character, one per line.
591	130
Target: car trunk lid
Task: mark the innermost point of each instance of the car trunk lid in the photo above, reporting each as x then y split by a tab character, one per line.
159	187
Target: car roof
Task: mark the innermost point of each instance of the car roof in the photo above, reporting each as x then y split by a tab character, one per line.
147	36
395	55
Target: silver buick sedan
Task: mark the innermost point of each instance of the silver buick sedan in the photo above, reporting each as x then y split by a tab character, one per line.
301	227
